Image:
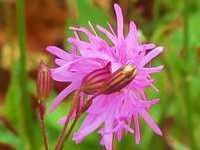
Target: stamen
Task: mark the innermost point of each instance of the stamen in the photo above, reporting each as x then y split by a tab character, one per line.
111	29
91	26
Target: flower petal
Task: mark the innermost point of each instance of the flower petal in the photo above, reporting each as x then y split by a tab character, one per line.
64	75
136	128
108	34
153	69
132	37
150	122
148	46
60	62
107	141
59	52
155	52
120	23
106	133
62	95
96	54
91	123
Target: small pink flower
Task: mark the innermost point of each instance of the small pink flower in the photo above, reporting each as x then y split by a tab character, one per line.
118	112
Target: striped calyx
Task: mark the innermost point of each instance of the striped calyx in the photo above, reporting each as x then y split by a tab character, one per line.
120	79
95	81
43	82
102	81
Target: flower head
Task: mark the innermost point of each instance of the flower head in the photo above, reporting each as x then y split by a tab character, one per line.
117	106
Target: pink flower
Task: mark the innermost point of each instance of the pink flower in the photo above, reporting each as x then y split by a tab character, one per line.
118	112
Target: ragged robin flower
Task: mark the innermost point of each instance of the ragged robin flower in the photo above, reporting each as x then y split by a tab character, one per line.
115	74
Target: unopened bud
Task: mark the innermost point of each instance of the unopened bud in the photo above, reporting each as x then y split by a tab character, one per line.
102	81
119	79
95	81
43	82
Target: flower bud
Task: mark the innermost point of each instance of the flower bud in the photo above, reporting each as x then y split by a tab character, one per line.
43	82
119	79
102	81
95	81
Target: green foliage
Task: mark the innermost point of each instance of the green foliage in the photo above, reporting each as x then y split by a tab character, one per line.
9	138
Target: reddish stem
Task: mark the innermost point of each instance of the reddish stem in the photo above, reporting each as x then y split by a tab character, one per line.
42	123
75	105
78	113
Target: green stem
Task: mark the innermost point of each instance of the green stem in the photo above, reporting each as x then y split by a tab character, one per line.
187	98
156	10
186	30
26	113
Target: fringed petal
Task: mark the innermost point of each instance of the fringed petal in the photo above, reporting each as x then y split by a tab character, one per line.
152	54
91	123
120	23
63	94
150	122
136	128
59	52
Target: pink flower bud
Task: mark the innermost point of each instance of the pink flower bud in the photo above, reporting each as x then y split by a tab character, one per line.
43	82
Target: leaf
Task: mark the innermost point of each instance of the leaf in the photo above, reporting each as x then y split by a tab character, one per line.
8	138
13	95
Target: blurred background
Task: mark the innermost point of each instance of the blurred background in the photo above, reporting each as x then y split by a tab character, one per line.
27	27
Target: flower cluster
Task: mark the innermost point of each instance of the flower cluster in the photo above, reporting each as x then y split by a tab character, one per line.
116	111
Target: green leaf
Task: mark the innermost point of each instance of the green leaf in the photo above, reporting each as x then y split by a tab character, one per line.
9	138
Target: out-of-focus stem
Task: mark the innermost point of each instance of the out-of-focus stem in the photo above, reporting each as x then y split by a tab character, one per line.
25	109
156	10
186	29
187	98
9	27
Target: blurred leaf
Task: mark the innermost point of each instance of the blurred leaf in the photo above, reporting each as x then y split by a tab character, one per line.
87	12
9	138
13	95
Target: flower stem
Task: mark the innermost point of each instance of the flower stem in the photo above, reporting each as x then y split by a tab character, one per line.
70	130
75	106
61	136
26	114
42	123
186	29
187	98
78	114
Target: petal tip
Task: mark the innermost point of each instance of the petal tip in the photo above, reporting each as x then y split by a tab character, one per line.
137	141
116	6
159	132
160	49
49	48
52	109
